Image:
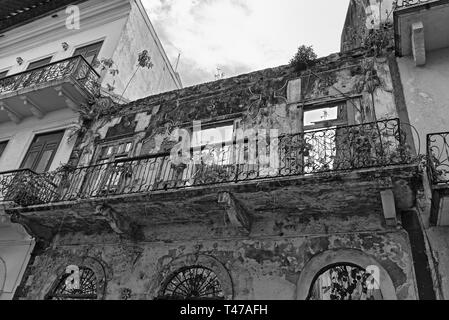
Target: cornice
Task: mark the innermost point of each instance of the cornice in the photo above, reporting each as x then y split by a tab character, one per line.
94	13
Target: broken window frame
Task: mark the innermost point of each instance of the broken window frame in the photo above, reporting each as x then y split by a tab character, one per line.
86	287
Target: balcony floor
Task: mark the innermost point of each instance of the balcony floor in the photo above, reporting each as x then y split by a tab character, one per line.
338	194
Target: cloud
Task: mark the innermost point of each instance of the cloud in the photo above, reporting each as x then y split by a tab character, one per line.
240	36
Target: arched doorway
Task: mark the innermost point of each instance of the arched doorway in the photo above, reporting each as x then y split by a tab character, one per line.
355	259
345	281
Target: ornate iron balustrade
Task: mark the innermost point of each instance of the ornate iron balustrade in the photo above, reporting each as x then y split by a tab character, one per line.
369	145
438	157
25	187
76	68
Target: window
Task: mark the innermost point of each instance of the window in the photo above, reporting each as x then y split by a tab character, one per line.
218	141
85	287
193	283
320	142
325	116
39	63
344	282
3	145
114	151
90	52
42	151
3	74
213	135
108	177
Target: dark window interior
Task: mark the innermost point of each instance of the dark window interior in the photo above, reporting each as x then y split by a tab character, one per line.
3	74
42	151
90	52
39	63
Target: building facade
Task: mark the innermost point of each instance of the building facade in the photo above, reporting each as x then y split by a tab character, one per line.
48	71
279	184
141	217
421	46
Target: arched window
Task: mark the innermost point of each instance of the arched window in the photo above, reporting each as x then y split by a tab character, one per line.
78	283
193	283
344	282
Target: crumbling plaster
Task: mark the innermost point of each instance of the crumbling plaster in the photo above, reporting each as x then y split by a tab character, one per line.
255	100
258	268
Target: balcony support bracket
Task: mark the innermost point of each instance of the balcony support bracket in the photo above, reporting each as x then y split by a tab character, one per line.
34	107
69	99
116	221
389	207
418	44
237	214
13	116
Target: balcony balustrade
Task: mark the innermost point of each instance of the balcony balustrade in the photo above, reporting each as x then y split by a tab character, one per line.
64	84
369	145
25	187
438	158
74	68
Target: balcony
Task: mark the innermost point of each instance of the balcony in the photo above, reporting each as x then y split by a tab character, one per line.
65	83
24	187
420	25
438	173
342	167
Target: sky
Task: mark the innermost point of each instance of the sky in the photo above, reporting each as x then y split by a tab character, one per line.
240	36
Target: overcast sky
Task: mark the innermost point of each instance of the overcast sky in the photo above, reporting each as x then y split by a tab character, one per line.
240	36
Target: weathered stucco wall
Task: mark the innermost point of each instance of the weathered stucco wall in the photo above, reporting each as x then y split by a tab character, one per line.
136	37
258	100
20	136
259	268
439	241
190	228
426	94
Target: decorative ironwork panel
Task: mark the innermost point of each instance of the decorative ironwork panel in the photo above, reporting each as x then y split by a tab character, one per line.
345	282
369	145
438	157
193	283
66	289
26	188
75	67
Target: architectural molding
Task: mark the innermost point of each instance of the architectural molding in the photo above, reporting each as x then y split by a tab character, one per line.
318	263
94	14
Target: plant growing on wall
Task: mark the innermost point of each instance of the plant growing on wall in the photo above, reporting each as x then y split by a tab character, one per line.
102	106
304	57
143	61
109	66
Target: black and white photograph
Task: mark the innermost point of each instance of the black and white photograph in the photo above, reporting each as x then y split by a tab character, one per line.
223	159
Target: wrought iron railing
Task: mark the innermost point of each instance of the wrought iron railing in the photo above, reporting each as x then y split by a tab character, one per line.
25	187
438	157
76	68
368	145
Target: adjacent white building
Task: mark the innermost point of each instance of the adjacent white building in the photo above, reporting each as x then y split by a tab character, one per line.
46	73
